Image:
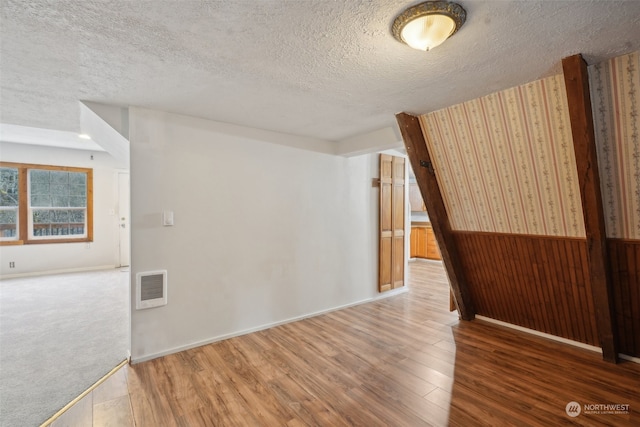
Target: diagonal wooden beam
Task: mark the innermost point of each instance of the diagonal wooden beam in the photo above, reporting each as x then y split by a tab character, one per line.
576	80
427	182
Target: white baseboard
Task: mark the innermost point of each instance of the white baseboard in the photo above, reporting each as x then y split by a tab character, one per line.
541	334
555	338
63	271
144	358
427	260
629	358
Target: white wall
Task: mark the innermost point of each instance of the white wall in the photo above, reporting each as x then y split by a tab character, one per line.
263	232
58	257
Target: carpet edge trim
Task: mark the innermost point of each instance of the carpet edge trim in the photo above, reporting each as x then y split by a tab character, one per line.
84	393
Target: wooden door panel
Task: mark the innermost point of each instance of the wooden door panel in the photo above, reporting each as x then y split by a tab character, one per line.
398	208
392	222
422	242
385	264
397	262
386	225
385	212
398	221
413	242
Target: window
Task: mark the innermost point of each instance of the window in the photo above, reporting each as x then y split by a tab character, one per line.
45	204
8	203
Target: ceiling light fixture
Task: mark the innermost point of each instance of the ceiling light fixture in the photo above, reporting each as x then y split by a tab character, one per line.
426	25
83	136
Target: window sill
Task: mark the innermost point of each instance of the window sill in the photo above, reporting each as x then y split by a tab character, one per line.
11	242
46	241
43	241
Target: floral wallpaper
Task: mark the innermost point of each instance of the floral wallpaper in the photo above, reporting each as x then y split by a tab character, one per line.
505	162
615	98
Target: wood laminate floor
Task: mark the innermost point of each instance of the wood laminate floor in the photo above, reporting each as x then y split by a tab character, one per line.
401	361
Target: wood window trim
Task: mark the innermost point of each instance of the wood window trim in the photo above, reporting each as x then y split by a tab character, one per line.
23	207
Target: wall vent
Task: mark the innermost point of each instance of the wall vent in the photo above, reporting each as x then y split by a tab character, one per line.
151	289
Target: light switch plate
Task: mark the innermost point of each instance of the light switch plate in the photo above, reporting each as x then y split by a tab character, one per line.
167	218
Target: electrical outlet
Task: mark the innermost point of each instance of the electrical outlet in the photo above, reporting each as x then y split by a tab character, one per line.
12	264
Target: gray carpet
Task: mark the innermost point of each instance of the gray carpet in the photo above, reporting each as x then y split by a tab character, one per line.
58	335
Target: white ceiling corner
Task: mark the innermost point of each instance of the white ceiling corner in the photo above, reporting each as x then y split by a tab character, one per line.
46	137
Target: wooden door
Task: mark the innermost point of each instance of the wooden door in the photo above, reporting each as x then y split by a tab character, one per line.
392	220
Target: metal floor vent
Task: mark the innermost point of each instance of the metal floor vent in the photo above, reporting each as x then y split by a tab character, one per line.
151	289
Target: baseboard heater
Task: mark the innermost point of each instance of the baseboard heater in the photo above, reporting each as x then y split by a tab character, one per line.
151	289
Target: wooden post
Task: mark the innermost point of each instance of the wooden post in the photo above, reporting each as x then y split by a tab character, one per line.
423	169
576	80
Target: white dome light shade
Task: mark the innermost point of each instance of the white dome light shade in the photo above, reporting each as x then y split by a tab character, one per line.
427	25
427	32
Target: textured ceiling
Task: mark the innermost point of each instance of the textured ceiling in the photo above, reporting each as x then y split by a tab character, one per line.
328	69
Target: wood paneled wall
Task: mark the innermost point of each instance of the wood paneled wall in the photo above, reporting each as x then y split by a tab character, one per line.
625	265
541	283
537	282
